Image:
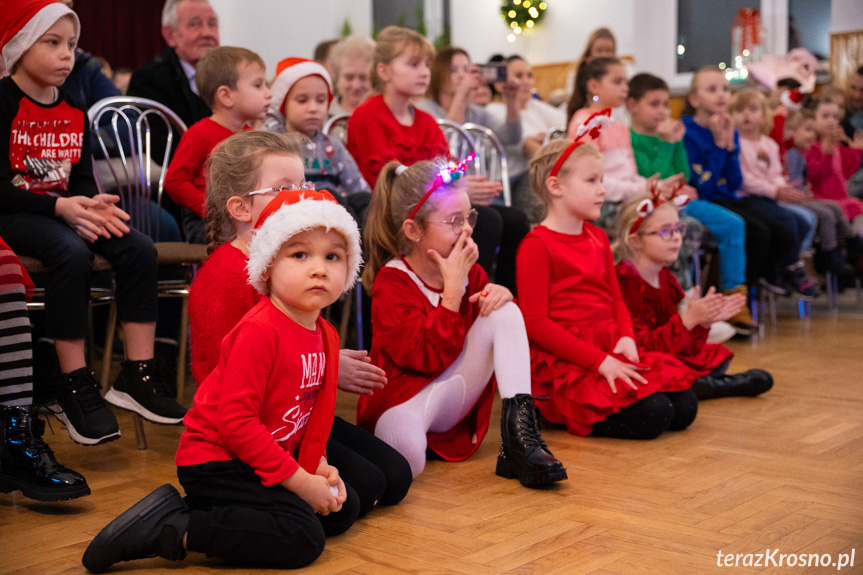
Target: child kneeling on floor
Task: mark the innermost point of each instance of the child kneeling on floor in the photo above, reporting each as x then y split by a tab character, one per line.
252	459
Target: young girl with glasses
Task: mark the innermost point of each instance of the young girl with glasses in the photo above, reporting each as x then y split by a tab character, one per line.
650	234
583	350
443	333
266	164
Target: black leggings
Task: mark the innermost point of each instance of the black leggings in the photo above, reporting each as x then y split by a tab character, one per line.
498	232
234	517
377	472
650	416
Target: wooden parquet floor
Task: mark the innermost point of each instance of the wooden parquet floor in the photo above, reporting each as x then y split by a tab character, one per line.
784	471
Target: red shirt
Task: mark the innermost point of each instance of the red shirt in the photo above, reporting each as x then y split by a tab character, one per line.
185	181
416	339
271	400
376	137
567	282
220	296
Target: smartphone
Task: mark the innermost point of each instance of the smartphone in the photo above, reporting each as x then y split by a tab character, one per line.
492	73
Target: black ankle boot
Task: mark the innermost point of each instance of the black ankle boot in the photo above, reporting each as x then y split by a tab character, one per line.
137	389
28	464
747	384
155	526
523	453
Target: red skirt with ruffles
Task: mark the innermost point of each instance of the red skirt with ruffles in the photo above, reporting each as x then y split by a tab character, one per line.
579	397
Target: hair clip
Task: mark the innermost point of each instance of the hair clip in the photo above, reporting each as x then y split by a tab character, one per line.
590	127
401	169
446	176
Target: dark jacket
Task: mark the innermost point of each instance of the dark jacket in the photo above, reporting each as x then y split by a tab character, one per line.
162	79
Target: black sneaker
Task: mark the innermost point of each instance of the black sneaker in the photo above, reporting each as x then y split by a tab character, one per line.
135	389
154	526
165	364
80	407
28	464
801	282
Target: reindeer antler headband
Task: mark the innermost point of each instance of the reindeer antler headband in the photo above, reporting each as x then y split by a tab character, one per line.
591	128
646	207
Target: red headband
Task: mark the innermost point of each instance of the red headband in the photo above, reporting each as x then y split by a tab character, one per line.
591	128
646	207
445	176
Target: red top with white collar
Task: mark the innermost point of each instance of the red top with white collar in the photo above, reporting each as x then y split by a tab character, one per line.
416	339
271	400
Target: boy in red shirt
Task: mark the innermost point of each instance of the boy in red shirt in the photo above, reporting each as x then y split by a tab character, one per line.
233	83
252	459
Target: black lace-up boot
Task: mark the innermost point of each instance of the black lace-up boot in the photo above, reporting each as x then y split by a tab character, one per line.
154	526
523	453
28	464
137	389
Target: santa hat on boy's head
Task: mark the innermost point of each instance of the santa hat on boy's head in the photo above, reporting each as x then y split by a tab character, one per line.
22	22
295	211
288	72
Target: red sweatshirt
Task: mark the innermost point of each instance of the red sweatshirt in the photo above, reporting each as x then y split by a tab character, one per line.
375	137
271	400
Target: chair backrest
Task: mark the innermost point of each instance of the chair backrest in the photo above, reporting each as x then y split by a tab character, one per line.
490	160
553	134
461	144
337	127
133	174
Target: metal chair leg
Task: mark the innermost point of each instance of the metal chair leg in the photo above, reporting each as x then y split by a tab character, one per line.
110	330
183	344
140	435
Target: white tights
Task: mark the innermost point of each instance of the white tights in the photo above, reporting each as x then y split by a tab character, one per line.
495	343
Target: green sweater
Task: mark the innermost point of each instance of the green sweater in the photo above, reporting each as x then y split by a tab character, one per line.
652	155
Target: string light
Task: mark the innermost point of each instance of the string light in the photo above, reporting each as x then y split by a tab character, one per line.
522	15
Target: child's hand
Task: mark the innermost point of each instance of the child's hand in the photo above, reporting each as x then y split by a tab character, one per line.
627	348
702	311
671	130
357	374
491	298
731	304
481	191
455	268
77	211
612	369
716	123
857	142
688	190
781	111
331	474
115	218
667	186
789	195
313	489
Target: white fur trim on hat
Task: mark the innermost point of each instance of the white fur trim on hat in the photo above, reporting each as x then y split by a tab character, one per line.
33	30
290	76
291	219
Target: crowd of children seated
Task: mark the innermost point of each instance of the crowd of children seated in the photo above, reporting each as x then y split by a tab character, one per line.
605	227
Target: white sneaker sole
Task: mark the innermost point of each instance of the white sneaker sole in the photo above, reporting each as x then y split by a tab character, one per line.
124	400
78	438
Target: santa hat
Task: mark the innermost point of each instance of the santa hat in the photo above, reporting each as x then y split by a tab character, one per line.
295	211
792	99
22	22
289	72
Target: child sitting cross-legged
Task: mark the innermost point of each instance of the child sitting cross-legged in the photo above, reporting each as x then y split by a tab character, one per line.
252	459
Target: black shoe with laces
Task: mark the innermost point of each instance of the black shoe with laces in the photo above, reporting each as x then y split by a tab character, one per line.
523	453
28	464
80	407
154	526
138	389
747	384
801	282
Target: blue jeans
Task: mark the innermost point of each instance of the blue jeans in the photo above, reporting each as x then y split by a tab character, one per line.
730	232
811	222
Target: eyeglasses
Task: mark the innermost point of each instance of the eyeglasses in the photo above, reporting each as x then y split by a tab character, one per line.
667	232
280	189
457	221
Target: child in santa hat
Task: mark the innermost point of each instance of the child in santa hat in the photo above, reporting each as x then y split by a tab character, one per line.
252	460
302	92
50	209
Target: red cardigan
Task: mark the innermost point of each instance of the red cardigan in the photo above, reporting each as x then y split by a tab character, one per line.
258	406
185	181
375	137
415	340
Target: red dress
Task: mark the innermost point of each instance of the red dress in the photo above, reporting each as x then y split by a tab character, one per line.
415	340
574	315
658	326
